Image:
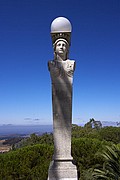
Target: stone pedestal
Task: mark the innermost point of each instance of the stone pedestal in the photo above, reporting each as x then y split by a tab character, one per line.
62	168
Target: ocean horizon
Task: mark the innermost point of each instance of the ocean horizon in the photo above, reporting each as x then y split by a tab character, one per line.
11	129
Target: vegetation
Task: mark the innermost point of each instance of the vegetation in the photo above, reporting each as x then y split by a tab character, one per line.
95	149
84	150
110	169
12	140
28	163
89	131
34	139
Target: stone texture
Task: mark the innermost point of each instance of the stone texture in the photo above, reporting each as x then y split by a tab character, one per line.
62	168
62	77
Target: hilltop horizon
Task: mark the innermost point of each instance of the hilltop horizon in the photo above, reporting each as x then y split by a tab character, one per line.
82	123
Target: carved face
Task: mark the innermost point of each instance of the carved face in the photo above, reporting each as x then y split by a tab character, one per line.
61	48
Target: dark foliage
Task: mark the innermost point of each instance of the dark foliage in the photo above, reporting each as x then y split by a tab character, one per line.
34	139
12	141
84	150
28	163
106	133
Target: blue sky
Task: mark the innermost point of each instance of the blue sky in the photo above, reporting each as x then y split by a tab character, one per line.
26	47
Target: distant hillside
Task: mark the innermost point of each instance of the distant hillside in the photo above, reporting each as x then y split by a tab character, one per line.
38	129
104	123
24	129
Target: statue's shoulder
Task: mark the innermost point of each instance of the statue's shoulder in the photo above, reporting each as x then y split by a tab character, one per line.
70	60
71	63
50	63
58	64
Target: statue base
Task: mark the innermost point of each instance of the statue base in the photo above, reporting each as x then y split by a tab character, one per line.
62	170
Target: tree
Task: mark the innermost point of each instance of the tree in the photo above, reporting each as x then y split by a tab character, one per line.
97	125
93	124
88	125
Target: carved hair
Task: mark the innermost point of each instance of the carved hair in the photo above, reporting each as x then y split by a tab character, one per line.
67	46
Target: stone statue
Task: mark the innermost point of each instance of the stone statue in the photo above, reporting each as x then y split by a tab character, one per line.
61	49
61	72
61	65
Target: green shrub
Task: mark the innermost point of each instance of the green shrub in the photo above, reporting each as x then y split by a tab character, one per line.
28	163
84	150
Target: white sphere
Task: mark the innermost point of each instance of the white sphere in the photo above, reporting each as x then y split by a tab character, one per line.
61	24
